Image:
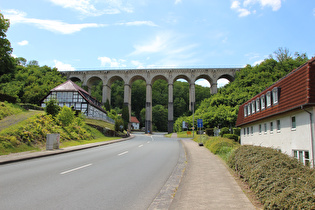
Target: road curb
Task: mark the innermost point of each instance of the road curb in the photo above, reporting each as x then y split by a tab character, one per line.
5	159
167	193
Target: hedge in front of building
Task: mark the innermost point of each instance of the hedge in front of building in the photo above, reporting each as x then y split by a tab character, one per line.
279	181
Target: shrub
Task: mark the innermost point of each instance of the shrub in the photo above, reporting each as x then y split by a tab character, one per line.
52	107
209	131
118	123
279	181
224	130
231	136
66	116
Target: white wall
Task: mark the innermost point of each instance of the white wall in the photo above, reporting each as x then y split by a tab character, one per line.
286	139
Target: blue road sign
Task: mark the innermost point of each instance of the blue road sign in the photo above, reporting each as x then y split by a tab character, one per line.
199	123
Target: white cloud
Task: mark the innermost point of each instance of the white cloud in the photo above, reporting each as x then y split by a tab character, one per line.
178	1
242	11
170	50
88	8
23	43
222	82
203	83
138	64
247	4
257	62
112	62
62	66
50	25
138	23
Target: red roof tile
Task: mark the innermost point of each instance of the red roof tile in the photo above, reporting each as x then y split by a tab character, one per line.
296	89
134	120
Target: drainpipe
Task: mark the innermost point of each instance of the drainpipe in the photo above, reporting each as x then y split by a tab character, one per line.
312	135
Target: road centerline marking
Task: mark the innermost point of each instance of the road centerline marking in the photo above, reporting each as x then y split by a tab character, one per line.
140	145
75	169
123	153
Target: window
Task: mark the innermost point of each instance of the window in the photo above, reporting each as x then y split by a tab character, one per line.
248	109
271	127
257	105
265	128
275	96
268	99
253	107
245	111
262	102
302	156
252	130
278	126
244	131
293	123
259	128
247	130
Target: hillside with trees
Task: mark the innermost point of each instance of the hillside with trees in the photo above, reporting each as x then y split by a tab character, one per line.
220	110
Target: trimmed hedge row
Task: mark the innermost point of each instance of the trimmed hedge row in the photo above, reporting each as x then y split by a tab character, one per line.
279	181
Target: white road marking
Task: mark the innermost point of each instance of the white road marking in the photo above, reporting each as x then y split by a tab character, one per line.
148	142
140	145
65	172
123	153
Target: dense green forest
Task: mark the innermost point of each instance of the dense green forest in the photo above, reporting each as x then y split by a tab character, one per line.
27	82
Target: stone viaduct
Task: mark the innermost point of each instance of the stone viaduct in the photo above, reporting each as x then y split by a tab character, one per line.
212	75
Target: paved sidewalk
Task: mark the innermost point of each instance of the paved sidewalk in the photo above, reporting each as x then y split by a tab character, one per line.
14	157
207	183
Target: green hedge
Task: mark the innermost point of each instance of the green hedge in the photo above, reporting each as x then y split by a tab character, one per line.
279	181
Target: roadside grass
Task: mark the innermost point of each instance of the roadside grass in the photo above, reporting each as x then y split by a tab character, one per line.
184	134
82	142
8	109
100	123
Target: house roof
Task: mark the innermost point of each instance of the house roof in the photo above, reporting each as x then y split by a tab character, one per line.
134	120
296	90
69	86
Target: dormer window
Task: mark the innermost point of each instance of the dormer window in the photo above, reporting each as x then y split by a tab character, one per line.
257	105
245	111
262	102
268	99
275	96
253	107
249	110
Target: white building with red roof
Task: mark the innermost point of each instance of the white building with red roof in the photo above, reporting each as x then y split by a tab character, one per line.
282	116
135	124
71	95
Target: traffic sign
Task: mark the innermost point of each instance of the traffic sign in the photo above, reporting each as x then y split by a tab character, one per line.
199	123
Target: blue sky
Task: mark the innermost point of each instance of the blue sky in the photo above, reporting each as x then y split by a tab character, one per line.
106	34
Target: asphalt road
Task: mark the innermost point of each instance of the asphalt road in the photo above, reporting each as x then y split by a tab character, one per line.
125	175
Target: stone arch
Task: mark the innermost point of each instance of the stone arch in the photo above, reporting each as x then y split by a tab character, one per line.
75	79
137	77
157	77
229	77
112	79
181	76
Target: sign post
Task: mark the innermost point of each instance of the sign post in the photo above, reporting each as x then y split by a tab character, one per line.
200	125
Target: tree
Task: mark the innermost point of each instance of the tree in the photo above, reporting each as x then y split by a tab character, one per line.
125	116
7	63
107	105
66	116
159	117
282	54
52	107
